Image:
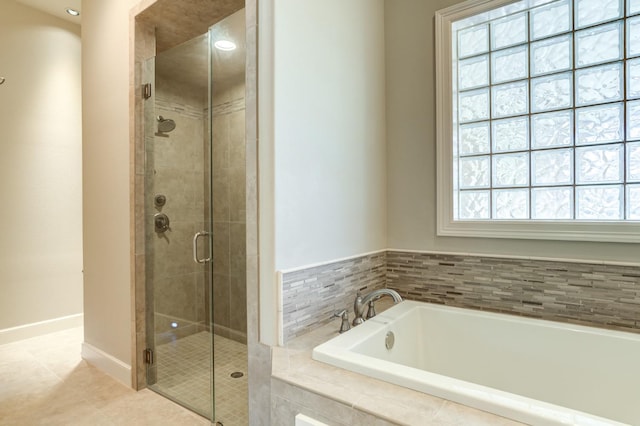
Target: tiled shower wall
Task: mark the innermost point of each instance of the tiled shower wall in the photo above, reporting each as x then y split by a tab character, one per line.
583	293
174	171
229	212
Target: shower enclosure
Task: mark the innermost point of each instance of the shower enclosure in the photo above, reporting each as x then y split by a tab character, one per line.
195	223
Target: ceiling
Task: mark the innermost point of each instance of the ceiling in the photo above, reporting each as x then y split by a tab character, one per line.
188	62
56	8
178	21
182	54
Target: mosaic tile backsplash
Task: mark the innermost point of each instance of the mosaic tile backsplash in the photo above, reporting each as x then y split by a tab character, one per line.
311	296
581	293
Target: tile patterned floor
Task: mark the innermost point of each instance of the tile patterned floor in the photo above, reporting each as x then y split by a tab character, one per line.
183	372
44	381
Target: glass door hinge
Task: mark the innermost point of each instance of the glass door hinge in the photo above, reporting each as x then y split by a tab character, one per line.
146	91
148	356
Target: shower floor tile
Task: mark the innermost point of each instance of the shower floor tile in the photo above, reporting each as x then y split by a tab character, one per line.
183	373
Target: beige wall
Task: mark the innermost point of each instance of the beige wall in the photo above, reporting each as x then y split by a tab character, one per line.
106	156
40	167
411	155
322	137
330	198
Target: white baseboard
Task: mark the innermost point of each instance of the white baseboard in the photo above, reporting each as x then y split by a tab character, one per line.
27	331
107	363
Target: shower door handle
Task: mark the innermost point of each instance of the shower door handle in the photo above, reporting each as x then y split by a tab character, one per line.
195	247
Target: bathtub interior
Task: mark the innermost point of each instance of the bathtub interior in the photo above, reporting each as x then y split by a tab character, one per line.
410	340
584	369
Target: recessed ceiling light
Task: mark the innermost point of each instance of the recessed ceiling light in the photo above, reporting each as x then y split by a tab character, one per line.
224	45
73	12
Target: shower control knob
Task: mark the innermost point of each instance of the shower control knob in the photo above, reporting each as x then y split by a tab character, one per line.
160	200
161	222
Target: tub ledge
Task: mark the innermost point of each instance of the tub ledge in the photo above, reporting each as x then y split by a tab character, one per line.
345	397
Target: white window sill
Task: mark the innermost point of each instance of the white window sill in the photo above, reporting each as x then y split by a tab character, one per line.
620	232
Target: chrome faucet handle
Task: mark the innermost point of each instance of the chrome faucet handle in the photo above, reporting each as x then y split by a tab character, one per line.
344	314
339	314
358	309
371	312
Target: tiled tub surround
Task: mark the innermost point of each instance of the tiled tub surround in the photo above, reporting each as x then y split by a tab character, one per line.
601	295
586	293
310	296
594	294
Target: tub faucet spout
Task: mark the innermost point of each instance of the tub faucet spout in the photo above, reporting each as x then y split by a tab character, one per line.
361	302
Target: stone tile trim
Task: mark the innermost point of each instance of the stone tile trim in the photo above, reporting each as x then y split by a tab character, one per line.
175	107
228	107
600	295
310	296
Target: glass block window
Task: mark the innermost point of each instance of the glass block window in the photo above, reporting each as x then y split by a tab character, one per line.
546	112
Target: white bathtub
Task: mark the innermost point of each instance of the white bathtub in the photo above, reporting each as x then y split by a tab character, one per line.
534	371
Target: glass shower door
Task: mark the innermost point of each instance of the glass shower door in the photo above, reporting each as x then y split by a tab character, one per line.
229	322
196	318
178	226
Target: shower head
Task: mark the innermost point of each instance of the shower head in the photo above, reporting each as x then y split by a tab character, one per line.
165	125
